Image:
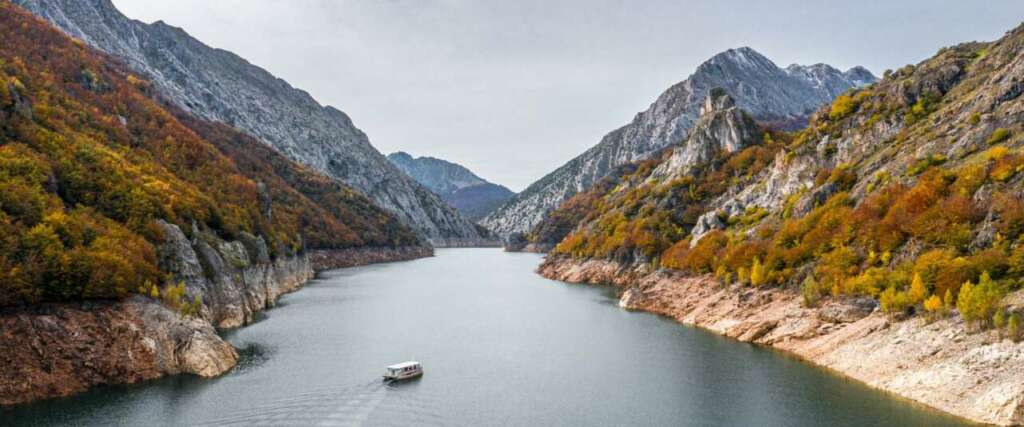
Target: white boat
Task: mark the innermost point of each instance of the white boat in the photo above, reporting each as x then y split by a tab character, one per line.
402	371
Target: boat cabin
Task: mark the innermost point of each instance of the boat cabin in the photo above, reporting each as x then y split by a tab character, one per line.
403	370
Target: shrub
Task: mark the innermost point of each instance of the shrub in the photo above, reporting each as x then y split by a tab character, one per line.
811	292
843	106
1013	326
999	319
893	301
999	135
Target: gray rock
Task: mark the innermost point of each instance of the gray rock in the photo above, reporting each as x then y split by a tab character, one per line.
235	280
722	128
813	199
847	310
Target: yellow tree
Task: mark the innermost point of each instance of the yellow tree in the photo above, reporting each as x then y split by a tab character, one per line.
918	291
933	305
758	275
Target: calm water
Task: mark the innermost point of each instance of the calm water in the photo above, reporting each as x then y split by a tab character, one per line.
500	346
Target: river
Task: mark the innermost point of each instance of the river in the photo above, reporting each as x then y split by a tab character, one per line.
500	346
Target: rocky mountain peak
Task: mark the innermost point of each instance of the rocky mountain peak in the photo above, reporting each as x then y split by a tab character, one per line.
780	98
742	57
860	76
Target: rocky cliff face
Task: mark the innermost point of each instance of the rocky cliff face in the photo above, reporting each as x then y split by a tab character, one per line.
235	280
784	97
942	364
59	350
722	128
220	86
471	195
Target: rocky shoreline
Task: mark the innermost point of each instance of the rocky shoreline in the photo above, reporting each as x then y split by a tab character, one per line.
55	350
973	375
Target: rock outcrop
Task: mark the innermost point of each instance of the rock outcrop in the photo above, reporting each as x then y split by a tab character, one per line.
474	197
782	97
235	280
59	350
220	86
721	128
941	364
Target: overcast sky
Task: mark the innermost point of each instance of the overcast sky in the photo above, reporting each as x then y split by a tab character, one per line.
514	89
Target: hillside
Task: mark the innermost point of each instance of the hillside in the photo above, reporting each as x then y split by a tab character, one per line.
93	162
474	197
219	86
905	195
782	98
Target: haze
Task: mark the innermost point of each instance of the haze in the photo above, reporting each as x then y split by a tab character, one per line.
512	90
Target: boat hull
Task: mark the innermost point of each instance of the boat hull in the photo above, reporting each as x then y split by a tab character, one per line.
403	376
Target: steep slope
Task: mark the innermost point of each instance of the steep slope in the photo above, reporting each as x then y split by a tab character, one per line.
220	86
784	98
891	227
473	196
131	229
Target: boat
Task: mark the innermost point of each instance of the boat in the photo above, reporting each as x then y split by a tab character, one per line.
403	371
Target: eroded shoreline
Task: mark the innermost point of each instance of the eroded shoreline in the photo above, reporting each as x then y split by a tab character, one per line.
57	350
973	375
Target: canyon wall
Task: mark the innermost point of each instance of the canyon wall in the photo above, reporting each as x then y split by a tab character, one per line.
56	350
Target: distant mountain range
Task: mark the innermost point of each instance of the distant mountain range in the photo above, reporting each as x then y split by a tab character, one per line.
783	98
218	85
473	196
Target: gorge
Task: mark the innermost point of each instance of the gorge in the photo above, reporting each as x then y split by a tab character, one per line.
840	249
500	346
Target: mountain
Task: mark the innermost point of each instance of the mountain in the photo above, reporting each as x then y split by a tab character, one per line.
220	86
895	217
473	196
132	229
782	97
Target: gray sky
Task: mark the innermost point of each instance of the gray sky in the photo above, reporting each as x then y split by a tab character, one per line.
513	89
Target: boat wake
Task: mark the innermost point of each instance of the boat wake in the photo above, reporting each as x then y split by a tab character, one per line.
351	405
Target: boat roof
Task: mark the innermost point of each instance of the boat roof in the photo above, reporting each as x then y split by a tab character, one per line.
403	365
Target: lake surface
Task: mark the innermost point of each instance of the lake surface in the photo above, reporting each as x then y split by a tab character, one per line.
500	346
